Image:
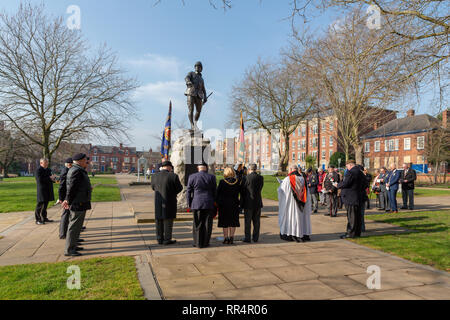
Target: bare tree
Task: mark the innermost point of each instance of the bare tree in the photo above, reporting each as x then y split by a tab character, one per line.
13	146
437	149
354	77
52	82
271	97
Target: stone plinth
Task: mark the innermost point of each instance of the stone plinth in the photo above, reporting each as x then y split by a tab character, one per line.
188	151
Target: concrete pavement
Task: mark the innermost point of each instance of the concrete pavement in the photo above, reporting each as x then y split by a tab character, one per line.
326	268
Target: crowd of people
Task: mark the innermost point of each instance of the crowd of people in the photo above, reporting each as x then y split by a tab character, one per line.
239	192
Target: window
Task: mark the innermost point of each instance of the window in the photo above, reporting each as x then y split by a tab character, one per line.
293	156
376	162
324	142
315	129
396	143
95	159
95	151
298	131
331	141
420	142
103	159
323	126
298	156
303	156
385	145
407	144
366	162
331	153
406	159
331	126
293	144
367	147
323	155
391	145
126	152
303	144
303	131
126	160
377	146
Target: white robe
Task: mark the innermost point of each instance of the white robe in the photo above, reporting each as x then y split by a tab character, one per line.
292	220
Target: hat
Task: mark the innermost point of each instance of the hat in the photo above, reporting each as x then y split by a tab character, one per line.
203	164
167	164
79	156
69	160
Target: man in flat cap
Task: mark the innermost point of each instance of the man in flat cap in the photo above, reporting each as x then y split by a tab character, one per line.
196	93
64	223
78	200
201	193
44	183
167	186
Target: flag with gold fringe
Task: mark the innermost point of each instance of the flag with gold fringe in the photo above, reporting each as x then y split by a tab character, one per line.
165	142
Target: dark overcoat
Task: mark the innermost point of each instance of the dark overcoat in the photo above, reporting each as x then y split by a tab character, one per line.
62	184
252	185
167	186
353	187
410	177
44	185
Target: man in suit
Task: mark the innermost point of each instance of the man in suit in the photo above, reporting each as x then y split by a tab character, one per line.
251	201
44	182
64	223
200	193
392	187
384	195
352	195
312	181
407	179
78	200
331	191
167	186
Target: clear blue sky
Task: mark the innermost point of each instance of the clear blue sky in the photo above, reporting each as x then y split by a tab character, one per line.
160	44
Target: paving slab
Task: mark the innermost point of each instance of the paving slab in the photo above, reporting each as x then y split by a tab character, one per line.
252	278
270	292
310	290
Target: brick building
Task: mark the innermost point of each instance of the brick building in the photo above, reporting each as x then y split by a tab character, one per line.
401	141
113	159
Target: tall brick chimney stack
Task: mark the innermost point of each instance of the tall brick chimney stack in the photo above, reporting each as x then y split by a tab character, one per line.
410	113
445	115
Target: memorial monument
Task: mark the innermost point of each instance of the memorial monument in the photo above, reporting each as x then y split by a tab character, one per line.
191	148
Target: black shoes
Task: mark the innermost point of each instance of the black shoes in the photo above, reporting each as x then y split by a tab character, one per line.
40	222
79	248
83	228
306	238
80	240
160	242
47	220
404	208
230	241
226	240
344	236
62	237
169	242
73	254
247	241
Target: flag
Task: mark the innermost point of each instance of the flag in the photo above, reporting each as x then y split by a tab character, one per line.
241	152
165	141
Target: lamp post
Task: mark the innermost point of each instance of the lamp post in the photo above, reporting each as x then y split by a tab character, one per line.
339	164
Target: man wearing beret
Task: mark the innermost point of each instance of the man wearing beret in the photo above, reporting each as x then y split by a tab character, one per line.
78	200
63	225
166	185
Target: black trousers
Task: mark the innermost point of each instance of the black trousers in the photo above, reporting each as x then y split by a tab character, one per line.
164	229
252	215
202	228
41	211
64	223
354	220
408	194
332	203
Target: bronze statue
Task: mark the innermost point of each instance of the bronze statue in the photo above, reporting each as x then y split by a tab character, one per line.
196	94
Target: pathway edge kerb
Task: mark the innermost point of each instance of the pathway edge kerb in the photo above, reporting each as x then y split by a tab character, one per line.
414	264
147	279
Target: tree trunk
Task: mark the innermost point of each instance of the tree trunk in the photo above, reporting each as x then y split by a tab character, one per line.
284	158
358	154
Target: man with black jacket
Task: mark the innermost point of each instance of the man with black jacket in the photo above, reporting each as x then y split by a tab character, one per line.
78	200
64	223
331	191
312	181
44	182
251	202
166	185
353	197
407	179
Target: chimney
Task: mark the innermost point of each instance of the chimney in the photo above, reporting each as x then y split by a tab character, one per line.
121	146
410	113
445	118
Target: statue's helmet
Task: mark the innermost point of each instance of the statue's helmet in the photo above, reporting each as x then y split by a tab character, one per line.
198	63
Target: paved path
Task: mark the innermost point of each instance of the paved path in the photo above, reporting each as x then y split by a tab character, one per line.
325	268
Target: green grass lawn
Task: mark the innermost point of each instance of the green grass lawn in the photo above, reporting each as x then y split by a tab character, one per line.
19	194
101	279
428	243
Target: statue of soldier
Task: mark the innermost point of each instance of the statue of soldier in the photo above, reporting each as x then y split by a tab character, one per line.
196	94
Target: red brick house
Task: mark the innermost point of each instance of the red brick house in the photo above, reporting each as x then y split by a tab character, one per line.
401	141
113	159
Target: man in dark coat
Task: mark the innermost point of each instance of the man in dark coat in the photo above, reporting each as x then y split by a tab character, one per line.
251	201
312	181
78	200
408	176
200	193
353	197
64	223
166	185
44	181
331	195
